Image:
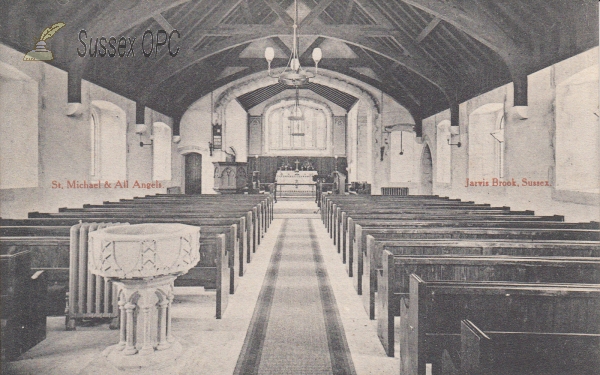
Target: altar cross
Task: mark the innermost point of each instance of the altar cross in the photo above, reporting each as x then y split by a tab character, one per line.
297	162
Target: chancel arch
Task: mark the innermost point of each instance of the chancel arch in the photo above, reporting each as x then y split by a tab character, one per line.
108	140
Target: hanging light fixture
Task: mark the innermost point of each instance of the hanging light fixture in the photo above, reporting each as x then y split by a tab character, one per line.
296	118
293	74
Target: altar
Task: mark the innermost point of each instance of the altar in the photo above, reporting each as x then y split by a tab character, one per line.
296	183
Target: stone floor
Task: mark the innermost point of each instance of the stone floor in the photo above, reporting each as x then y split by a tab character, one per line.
212	346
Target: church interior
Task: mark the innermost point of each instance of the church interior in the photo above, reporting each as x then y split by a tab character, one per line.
300	187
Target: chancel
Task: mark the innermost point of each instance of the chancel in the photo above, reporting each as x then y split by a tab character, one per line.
300	187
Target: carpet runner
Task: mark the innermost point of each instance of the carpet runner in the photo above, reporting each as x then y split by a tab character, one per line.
296	327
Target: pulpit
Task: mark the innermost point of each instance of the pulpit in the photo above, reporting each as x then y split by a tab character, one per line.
230	178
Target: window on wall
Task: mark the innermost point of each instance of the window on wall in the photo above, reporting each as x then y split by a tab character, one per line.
310	133
94	143
161	158
577	133
486	142
108	140
18	126
443	153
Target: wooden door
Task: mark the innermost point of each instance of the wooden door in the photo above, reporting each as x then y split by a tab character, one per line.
426	172
193	173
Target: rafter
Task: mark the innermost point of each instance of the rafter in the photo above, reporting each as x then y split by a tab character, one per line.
383	72
315	12
352	30
247	12
349	11
284	48
117	17
428	29
369	8
307	53
163	22
280	12
416	63
473	22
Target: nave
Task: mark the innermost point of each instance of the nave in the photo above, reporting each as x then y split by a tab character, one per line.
295	287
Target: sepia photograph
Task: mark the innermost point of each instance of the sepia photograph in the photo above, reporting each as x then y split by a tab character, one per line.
300	187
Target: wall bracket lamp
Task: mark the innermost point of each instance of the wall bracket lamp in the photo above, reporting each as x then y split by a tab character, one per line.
141	129
458	144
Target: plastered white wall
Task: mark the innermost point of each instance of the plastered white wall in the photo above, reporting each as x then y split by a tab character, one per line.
64	145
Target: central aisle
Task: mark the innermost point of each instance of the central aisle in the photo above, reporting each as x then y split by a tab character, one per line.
296	327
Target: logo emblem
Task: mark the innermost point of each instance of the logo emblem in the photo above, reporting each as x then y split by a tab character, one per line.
41	53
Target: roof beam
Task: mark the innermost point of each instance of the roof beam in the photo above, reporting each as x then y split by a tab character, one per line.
280	12
479	25
368	7
416	63
349	11
284	48
247	12
163	23
308	52
117	17
473	22
384	73
351	30
428	29
315	12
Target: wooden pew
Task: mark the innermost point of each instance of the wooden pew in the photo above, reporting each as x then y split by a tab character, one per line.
262	204
464	214
327	200
208	228
537	353
398	229
431	317
336	208
23	300
393	280
52	255
256	215
375	250
247	235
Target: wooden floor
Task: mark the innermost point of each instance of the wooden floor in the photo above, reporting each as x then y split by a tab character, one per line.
214	346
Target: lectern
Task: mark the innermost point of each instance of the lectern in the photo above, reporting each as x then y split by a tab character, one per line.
230	178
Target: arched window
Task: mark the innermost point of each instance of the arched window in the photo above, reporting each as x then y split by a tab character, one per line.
108	141
161	158
18	126
308	131
443	153
486	142
577	135
94	145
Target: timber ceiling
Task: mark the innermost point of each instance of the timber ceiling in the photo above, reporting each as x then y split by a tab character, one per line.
254	98
426	54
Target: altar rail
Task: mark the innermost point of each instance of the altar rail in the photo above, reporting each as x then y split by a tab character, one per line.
401	191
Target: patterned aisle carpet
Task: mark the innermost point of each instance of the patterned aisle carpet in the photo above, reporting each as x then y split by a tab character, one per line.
296	327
